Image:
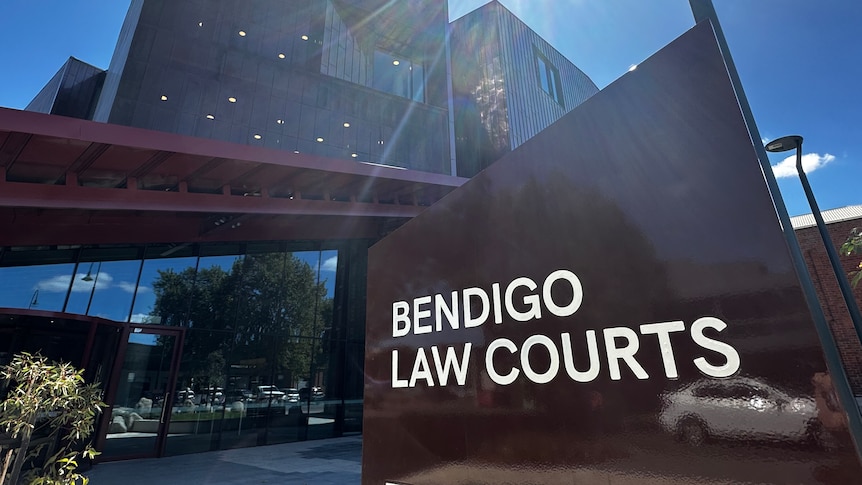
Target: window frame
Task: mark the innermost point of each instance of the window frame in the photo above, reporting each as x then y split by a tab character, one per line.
548	77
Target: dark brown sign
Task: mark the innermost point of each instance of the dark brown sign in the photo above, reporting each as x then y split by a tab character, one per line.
613	302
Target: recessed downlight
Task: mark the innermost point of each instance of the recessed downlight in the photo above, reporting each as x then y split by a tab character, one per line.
200	24
346	124
242	33
210	117
280	122
257	136
396	62
231	99
354	155
319	139
304	37
164	98
281	55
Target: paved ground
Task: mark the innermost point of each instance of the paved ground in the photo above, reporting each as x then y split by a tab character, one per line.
325	462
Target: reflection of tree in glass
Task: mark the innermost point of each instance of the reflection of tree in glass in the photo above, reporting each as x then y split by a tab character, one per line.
233	317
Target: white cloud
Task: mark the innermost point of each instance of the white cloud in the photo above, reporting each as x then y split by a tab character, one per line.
146	318
56	284
60	283
130	287
330	264
810	163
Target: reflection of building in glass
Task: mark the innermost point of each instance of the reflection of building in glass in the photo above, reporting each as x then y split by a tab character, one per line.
508	83
239	227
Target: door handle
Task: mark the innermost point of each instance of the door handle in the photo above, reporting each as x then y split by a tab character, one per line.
164	408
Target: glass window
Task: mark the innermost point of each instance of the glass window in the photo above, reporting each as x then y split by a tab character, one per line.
287	414
548	77
201	409
35	287
214	299
399	76
112	290
162	295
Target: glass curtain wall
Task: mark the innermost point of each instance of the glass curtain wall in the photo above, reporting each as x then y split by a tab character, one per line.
260	362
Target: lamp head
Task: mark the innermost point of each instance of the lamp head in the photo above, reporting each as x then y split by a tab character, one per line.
784	144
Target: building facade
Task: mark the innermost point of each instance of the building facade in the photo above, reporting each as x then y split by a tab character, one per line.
73	91
342	79
508	84
840	222
201	248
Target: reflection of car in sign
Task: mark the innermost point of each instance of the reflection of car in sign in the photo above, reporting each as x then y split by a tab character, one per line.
740	408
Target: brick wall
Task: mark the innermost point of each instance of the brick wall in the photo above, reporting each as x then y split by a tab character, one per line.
830	294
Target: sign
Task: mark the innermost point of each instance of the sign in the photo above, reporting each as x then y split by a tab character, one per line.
612	302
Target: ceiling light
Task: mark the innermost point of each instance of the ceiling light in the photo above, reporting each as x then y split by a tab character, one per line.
296	151
210	117
257	136
200	24
281	55
304	37
242	33
354	155
346	124
396	62
319	139
280	122
633	67
231	99
164	98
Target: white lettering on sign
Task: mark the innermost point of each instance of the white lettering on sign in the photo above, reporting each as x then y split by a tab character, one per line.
538	359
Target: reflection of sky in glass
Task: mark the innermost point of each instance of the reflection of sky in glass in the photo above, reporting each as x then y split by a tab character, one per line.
145	300
18	286
143	339
328	261
113	283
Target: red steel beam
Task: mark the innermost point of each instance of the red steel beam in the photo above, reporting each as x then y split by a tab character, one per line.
16	194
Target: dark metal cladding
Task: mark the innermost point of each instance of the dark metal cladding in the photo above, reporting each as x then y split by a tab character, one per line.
651	194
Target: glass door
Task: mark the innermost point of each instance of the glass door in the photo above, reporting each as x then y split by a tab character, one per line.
142	393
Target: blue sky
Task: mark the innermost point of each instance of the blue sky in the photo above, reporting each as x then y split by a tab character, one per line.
800	62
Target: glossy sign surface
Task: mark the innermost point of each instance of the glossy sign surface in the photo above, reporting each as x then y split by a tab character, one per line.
612	302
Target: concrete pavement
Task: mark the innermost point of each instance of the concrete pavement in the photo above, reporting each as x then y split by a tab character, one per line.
324	462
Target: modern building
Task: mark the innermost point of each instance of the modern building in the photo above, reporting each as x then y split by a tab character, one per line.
353	79
200	234
73	91
508	84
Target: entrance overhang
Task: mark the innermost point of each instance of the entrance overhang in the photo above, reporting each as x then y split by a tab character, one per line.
70	181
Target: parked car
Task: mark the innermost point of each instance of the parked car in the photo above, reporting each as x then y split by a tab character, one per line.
266	393
740	409
291	395
315	393
212	395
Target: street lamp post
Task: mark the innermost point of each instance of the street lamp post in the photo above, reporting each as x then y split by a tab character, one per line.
784	144
88	277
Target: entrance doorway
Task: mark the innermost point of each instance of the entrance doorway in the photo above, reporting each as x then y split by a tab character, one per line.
142	393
